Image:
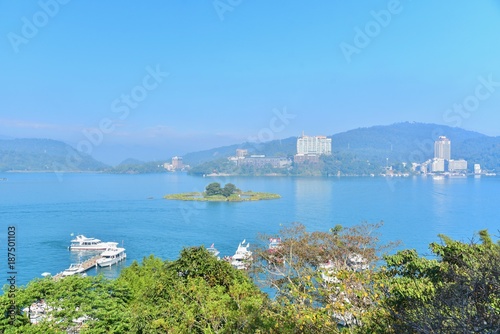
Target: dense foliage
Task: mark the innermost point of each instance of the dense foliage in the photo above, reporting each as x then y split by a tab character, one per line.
459	292
137	167
320	282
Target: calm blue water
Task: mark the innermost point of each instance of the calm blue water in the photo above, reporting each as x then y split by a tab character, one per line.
46	209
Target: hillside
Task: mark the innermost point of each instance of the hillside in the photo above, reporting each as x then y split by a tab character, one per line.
400	142
44	155
134	166
403	142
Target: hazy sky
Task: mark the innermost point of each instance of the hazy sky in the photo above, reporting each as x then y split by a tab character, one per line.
150	79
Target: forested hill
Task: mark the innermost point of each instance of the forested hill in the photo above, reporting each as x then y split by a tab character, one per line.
407	142
400	142
44	155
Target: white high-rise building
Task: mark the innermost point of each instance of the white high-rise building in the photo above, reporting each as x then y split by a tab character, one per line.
442	148
314	145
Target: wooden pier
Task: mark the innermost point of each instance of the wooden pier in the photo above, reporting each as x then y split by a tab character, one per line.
87	265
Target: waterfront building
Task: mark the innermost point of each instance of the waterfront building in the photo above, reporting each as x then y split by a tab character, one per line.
177	163
314	145
437	165
241	153
442	148
301	158
457	165
260	161
309	148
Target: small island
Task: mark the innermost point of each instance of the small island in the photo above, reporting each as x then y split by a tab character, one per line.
229	193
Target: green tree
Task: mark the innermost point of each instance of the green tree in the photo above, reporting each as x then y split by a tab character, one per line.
102	302
213	189
195	294
228	190
459	292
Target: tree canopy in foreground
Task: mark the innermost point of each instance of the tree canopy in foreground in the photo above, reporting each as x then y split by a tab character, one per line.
335	281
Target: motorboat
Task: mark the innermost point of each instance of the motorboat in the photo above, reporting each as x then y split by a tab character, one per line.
74	268
243	257
212	250
112	255
82	243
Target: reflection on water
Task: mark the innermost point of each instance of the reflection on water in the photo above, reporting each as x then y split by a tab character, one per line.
440	201
313	196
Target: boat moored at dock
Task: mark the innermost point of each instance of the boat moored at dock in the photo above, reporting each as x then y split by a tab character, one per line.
74	268
82	243
243	257
112	255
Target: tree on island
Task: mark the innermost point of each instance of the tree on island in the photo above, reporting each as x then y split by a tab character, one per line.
214	189
228	190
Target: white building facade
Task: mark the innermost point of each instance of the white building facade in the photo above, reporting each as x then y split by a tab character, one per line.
314	145
442	148
457	165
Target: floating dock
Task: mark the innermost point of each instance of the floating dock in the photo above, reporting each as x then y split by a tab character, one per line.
87	265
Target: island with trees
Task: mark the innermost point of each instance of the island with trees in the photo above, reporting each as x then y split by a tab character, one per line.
229	193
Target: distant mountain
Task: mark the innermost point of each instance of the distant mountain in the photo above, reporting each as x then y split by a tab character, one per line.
131	161
44	155
400	142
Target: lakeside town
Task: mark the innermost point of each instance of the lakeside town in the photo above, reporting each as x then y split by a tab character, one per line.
311	151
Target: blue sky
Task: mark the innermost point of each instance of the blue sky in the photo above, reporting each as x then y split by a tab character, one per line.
234	65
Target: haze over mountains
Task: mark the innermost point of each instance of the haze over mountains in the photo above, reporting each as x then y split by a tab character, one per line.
401	142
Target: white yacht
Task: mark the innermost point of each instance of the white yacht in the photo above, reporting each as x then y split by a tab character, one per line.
111	255
82	243
212	250
242	258
74	268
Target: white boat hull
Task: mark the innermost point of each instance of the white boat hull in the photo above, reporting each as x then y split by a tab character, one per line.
82	248
108	262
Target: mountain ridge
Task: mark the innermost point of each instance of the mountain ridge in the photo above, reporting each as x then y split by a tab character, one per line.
40	154
398	142
379	144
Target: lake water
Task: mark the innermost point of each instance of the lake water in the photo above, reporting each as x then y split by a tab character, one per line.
47	209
